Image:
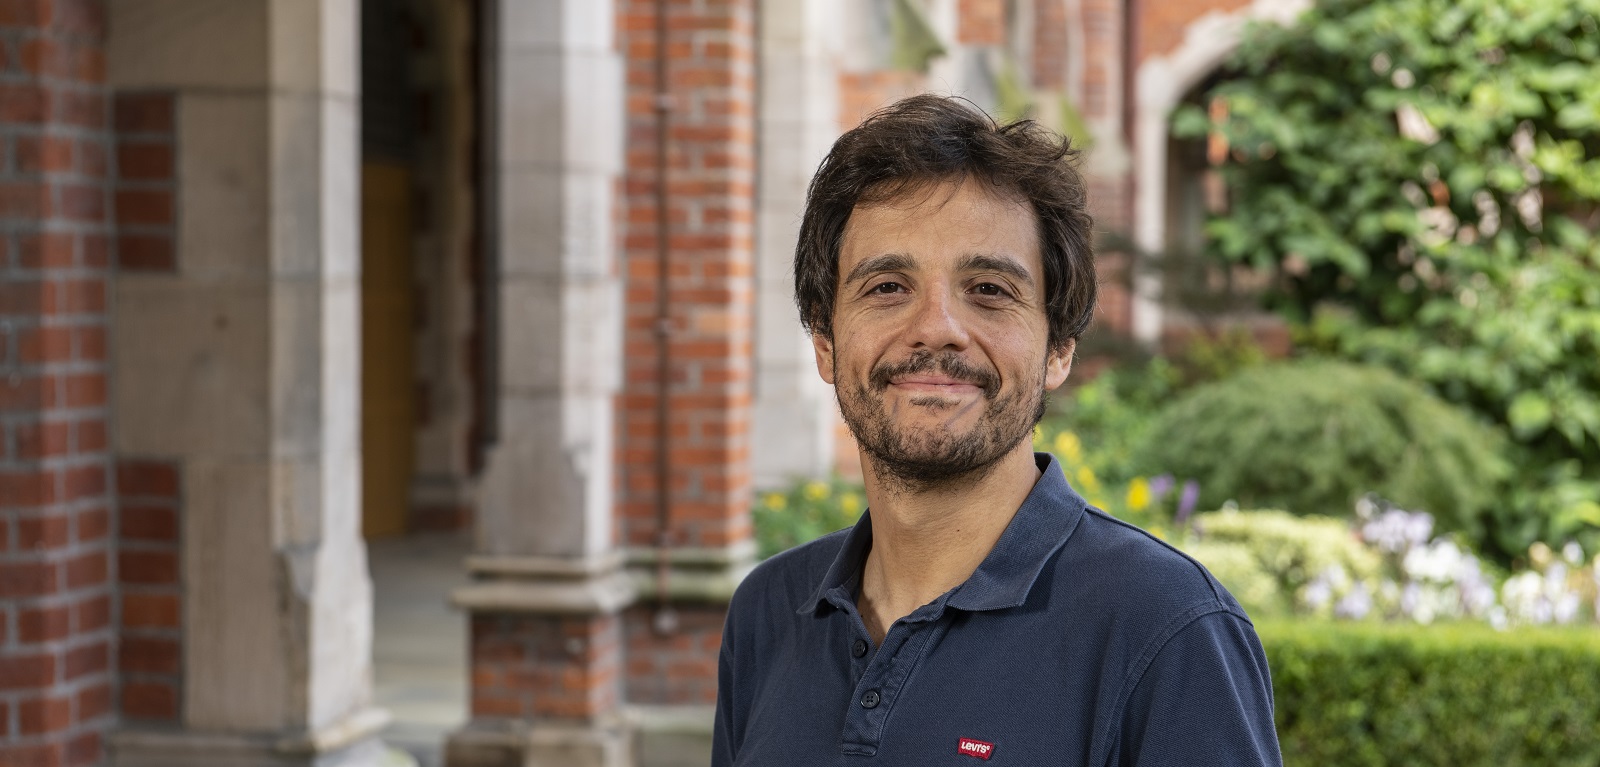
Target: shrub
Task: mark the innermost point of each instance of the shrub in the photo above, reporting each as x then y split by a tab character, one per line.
806	510
1313	436
1252	551
1457	694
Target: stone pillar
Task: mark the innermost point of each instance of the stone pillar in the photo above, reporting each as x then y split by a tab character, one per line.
548	579
688	559
799	105
237	383
56	635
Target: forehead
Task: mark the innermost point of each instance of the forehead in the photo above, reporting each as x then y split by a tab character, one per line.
945	220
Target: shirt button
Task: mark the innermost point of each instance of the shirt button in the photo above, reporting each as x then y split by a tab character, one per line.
870	700
859	649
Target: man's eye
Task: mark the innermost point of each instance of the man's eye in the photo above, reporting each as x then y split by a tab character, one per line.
990	289
886	287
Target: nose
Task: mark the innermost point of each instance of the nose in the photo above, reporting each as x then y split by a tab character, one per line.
937	324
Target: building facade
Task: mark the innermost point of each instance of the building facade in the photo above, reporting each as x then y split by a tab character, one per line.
279	275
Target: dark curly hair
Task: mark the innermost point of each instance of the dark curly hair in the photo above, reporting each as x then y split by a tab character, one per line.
927	139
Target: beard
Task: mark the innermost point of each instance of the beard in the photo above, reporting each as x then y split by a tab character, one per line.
921	458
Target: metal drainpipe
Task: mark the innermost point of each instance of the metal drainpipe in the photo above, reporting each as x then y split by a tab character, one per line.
666	619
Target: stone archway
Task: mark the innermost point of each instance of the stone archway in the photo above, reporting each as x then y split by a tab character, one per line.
1162	82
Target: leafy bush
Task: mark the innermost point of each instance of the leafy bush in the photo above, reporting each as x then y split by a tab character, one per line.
1422	177
1457	694
1267	558
806	510
1313	436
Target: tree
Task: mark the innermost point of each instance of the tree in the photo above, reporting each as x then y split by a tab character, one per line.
1422	178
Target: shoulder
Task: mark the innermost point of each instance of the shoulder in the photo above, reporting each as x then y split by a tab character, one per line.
1132	571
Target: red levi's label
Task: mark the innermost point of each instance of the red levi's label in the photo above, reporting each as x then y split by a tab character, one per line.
976	748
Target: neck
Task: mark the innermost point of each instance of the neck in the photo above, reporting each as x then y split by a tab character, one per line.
928	539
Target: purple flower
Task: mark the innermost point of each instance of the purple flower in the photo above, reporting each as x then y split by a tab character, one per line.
1188	501
1160	485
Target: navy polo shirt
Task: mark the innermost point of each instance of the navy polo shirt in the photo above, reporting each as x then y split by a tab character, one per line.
1079	640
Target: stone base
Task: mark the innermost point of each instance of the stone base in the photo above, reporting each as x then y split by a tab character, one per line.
540	744
671	736
351	743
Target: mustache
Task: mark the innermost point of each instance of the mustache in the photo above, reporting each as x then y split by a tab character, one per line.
946	364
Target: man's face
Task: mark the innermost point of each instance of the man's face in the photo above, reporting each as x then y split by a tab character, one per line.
940	342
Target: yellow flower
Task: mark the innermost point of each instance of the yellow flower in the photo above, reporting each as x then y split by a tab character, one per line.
1138	493
816	491
1038	438
774	501
850	503
1087	481
1068	448
1159	532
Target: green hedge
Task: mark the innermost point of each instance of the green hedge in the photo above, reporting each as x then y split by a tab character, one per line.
1458	694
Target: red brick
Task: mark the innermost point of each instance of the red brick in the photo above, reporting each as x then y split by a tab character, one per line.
94	702
90	435
154	479
92	614
86	390
149	700
144	207
27	488
27	672
45	250
41	439
29	13
140	611
93	158
43	624
44	344
47	754
82	202
89	344
88	659
144	160
25	201
93	525
149	522
82	108
41	716
146	252
84	482
144	113
27	579
89	569
80	18
80	297
148	567
43	154
43	56
26	103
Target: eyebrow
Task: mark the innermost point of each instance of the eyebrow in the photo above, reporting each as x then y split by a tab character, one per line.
888	262
989	262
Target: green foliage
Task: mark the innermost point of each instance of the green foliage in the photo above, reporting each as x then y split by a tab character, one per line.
1265	558
1108	415
1313	436
804	511
1457	694
1423	178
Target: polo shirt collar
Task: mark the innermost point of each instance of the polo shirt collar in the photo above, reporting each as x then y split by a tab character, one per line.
1040	527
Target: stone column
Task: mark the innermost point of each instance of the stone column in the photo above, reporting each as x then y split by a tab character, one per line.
794	410
548	579
236	367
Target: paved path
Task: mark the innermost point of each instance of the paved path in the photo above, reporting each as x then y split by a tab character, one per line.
419	643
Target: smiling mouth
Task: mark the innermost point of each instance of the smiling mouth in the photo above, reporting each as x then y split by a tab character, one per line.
935	385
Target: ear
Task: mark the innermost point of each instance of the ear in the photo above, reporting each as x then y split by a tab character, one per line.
1058	364
824	350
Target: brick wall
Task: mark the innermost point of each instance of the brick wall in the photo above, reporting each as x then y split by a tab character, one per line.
981	22
1049	44
1162	22
539	666
146	184
711	187
56	637
711	209
148	592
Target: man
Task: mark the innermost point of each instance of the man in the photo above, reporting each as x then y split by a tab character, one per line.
979	609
